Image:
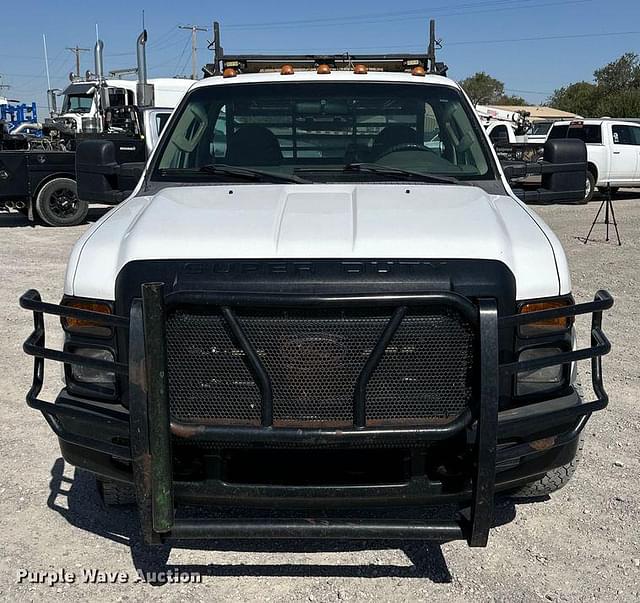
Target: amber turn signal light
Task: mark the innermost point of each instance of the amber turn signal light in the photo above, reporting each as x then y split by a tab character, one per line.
287	70
82	325
360	69
419	71
323	69
229	72
548	325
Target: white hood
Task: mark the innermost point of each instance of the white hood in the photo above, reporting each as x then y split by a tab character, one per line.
311	221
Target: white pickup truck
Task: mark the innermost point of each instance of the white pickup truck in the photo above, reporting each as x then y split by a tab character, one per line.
613	151
307	302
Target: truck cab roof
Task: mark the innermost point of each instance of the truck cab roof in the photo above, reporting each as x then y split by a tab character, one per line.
333	75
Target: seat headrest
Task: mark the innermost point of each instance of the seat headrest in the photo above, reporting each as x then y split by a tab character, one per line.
254	145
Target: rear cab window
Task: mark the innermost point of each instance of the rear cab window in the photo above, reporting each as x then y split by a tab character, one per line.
589	133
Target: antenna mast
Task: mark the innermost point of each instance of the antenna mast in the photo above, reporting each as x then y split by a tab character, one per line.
46	64
434	44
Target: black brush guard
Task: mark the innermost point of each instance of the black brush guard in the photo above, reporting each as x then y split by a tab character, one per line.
151	428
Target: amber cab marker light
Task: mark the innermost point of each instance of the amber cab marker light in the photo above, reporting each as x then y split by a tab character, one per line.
323	69
360	69
541	327
81	325
229	72
287	70
419	71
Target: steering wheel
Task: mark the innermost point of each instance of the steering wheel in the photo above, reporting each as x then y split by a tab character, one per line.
404	146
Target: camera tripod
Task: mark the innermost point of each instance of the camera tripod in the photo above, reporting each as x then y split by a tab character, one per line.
609	217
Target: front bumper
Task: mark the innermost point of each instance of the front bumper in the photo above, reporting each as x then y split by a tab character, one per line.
509	448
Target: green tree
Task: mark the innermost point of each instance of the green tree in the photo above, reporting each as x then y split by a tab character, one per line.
621	74
482	88
580	98
625	103
615	93
511	100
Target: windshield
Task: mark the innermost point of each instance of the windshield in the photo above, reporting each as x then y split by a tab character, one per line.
77	103
319	131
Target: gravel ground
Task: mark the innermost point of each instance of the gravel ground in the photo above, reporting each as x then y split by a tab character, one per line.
581	544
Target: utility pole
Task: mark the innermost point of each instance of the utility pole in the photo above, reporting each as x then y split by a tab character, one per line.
194	49
76	51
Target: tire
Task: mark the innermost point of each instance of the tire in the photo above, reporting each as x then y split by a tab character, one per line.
57	203
590	189
552	480
116	494
603	190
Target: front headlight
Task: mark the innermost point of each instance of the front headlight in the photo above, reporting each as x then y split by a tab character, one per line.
539	380
85	374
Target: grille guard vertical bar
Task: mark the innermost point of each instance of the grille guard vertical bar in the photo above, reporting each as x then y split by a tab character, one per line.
599	338
139	423
486	443
254	364
158	406
360	394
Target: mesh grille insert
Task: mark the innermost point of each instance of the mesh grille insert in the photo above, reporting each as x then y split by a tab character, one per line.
314	358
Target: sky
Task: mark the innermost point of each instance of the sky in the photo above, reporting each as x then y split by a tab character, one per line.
534	46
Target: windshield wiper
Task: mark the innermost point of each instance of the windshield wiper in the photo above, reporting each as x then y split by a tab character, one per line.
376	168
250	173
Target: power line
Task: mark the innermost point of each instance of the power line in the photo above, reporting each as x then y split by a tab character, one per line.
360	17
171	32
420	47
526	91
372	18
184	49
538	38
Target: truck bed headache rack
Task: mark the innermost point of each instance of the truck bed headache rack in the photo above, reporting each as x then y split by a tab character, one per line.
259	63
152	429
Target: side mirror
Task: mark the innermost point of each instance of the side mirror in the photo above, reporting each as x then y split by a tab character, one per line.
100	177
563	170
569	156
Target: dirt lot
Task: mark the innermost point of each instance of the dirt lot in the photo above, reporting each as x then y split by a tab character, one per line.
582	544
